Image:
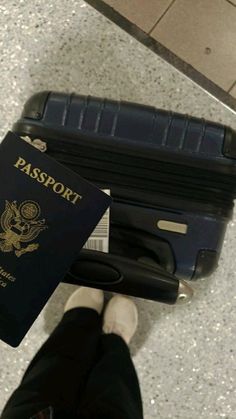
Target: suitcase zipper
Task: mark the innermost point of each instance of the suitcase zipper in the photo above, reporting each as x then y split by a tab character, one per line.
223	199
37	143
66	148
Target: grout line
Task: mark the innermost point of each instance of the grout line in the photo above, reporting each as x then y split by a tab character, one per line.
163	14
182	66
230	2
231	87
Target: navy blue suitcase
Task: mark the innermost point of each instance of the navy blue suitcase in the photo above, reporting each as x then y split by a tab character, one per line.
171	176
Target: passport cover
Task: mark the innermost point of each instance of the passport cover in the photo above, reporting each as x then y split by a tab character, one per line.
47	212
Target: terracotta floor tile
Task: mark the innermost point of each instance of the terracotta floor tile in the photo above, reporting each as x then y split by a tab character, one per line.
202	33
144	13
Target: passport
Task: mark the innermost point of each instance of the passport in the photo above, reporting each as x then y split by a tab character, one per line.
47	213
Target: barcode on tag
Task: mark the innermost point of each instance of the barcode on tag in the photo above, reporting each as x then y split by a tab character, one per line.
99	239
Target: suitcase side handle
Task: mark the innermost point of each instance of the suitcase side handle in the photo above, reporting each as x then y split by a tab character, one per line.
120	274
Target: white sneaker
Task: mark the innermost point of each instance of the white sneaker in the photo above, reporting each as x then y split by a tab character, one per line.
121	317
86	297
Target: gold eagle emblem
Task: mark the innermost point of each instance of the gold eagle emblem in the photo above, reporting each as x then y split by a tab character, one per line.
20	224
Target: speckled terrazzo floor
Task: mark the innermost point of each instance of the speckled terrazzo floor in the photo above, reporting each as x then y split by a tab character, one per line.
185	355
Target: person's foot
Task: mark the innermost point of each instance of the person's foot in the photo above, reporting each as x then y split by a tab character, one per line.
87	298
121	317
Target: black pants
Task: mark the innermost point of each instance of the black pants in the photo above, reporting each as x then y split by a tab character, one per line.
79	373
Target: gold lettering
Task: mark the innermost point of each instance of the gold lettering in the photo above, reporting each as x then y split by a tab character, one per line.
77	196
4	275
46	180
61	188
26	169
50	181
67	194
42	177
35	173
20	162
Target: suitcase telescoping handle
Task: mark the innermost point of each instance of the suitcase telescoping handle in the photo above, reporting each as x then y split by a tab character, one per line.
119	274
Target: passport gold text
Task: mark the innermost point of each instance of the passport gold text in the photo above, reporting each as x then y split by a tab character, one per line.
5	277
47	180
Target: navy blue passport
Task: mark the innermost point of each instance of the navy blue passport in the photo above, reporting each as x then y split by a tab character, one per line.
47	213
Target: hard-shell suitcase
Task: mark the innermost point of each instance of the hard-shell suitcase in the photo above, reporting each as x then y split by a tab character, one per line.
172	179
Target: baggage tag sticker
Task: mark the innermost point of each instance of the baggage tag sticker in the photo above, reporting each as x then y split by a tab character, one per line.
99	239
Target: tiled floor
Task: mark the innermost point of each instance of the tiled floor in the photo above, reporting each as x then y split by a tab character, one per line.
201	33
144	14
185	355
233	90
